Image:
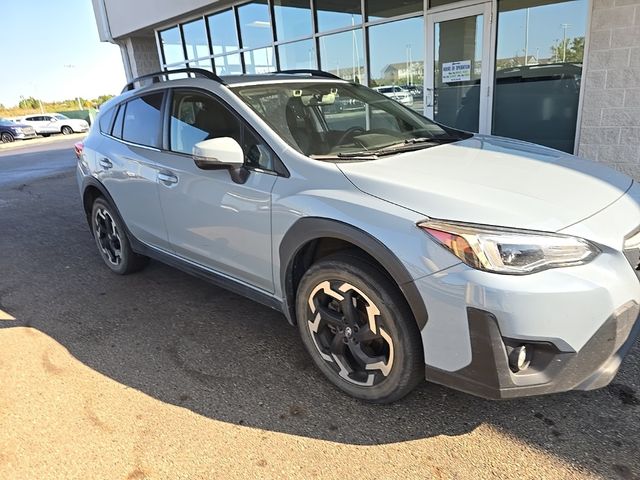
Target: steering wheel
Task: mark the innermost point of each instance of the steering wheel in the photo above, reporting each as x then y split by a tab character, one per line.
349	133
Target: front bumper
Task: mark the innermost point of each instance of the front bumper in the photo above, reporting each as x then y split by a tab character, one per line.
551	370
24	136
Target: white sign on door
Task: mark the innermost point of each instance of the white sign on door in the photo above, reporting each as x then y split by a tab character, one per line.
456	71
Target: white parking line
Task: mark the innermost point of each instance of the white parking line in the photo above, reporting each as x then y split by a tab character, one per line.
5	316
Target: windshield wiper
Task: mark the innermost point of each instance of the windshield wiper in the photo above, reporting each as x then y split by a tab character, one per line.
408	145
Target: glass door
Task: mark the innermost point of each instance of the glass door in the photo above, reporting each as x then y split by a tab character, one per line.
457	68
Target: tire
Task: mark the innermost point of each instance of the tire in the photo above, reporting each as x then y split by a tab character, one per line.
66	130
6	137
372	352
111	239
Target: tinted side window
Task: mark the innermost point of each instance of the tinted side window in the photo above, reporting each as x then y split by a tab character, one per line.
116	131
142	120
196	117
105	120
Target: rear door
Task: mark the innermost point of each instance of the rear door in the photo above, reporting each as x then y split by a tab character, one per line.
35	121
126	166
212	220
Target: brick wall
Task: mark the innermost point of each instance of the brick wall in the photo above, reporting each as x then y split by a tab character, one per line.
610	126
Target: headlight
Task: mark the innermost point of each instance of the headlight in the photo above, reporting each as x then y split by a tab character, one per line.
512	251
17	130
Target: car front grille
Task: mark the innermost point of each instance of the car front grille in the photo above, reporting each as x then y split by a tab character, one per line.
28	130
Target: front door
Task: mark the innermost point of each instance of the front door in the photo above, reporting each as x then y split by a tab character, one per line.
211	219
458	67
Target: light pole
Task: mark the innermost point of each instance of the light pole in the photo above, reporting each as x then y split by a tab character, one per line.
69	65
565	26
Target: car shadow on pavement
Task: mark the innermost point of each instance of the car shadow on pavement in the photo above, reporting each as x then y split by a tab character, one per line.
188	343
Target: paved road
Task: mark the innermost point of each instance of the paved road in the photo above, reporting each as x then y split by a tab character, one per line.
24	161
160	375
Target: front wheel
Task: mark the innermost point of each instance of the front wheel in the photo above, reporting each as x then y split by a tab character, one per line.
66	130
358	329
6	137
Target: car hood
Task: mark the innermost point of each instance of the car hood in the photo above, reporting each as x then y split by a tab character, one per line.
492	181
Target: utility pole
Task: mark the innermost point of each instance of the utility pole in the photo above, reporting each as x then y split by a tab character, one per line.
564	41
526	39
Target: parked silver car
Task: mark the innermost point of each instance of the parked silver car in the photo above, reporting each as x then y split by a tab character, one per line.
401	248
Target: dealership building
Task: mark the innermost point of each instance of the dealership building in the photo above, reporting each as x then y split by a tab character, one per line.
560	73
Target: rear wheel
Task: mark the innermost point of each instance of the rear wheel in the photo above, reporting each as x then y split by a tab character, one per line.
6	137
359	330
111	239
66	130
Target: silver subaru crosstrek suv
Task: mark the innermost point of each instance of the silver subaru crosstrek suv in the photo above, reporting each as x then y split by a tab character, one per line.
401	248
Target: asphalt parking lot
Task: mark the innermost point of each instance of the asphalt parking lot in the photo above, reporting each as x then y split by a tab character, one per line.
161	375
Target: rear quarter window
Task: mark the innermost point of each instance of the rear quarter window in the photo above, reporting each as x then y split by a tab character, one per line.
106	118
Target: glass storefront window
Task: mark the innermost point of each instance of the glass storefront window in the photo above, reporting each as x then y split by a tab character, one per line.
539	55
202	63
260	60
334	14
228	64
377	9
396	52
343	55
171	43
293	19
222	28
255	24
297	55
195	39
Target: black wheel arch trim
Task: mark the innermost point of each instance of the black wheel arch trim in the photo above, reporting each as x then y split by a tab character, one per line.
308	229
94	182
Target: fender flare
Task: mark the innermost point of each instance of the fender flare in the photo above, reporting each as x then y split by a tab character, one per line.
308	229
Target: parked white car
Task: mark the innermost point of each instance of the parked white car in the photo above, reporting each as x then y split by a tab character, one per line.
46	124
399	94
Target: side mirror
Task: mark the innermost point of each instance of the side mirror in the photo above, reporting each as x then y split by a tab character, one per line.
54	119
217	153
223	152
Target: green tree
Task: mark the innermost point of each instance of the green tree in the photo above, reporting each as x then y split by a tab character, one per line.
29	102
572	52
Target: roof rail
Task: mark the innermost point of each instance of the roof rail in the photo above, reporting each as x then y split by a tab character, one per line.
314	73
159	76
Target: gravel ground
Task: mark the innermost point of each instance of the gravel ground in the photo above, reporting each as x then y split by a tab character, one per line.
161	375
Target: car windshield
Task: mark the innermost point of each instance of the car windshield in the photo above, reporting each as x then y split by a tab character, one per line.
59	116
340	121
6	122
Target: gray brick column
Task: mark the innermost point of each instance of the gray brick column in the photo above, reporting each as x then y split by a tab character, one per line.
142	55
610	125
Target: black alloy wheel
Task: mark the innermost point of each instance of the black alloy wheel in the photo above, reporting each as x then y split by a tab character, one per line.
111	238
358	329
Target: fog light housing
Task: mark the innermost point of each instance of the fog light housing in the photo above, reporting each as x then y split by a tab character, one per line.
519	358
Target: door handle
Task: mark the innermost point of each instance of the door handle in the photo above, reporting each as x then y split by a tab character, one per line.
167	178
105	163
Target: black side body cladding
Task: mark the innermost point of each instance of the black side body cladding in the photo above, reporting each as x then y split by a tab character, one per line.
312	228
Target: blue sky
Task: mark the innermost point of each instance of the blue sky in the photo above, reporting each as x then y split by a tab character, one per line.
51	50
